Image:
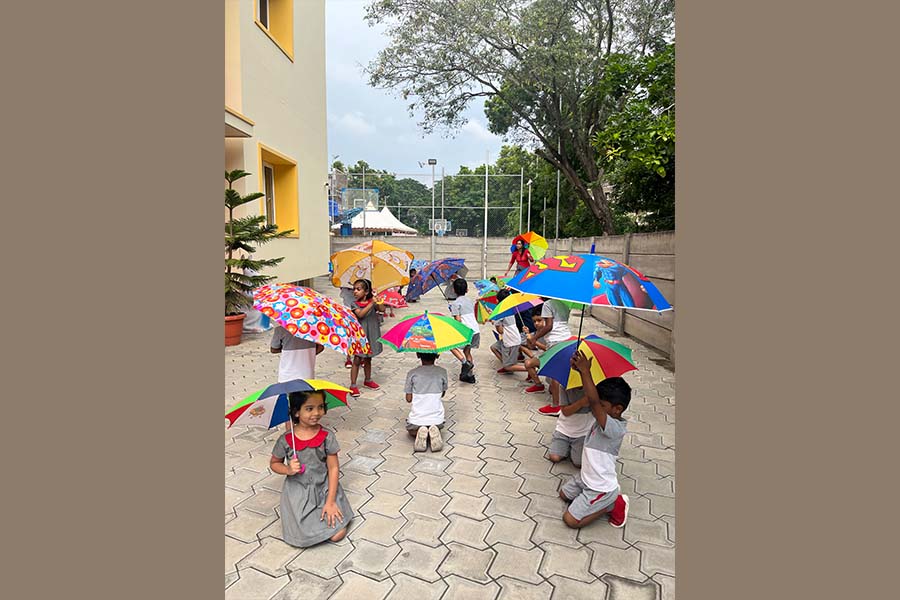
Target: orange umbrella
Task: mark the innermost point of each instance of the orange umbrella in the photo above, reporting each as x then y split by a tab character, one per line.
384	265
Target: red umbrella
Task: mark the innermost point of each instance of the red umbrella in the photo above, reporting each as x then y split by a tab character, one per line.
392	298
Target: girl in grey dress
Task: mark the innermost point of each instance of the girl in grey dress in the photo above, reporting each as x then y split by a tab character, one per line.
366	310
314	507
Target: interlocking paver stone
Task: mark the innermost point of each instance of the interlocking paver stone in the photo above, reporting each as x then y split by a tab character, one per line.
568	562
425	505
464	452
247	525
255	585
466	531
517	563
492	466
410	588
433	463
363	464
390	482
624	562
511	531
397	464
385	503
467	562
467	506
379	528
465	484
430	484
506	506
262	502
625	589
639	530
243	479
418	560
667	584
235	550
656	559
670	522
322	559
513	589
461	466
423	530
463	589
271	557
551	529
369	559
569	589
356	587
306	586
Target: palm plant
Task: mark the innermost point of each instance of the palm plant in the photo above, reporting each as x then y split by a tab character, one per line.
242	236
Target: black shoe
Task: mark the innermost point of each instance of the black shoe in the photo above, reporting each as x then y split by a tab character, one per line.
467	377
466	368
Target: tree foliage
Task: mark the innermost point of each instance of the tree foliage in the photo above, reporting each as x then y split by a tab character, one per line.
533	62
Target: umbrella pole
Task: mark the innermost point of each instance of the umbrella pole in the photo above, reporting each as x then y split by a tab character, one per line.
581	322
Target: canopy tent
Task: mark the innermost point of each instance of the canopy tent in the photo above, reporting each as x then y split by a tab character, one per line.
380	221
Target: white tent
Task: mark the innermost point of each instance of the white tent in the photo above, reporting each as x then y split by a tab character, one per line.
381	221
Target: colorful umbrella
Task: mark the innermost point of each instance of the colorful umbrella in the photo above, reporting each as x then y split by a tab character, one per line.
590	279
384	265
611	359
417	264
483	309
436	273
428	332
535	244
308	314
483	284
392	298
268	407
489	294
515	303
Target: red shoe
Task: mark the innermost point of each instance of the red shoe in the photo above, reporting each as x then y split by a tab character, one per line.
529	380
549	410
354	391
503	371
348	363
619	514
535	389
371	384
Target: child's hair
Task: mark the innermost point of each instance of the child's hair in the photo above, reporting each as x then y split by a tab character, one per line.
367	285
537	311
427	357
412	271
297	399
615	390
493	280
503	295
460	287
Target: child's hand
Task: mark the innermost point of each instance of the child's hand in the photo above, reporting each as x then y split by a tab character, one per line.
580	362
331	514
294	467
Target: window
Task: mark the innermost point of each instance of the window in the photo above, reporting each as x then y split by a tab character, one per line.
269	183
276	19
278	179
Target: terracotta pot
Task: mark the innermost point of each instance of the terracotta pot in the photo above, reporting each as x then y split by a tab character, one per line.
234	326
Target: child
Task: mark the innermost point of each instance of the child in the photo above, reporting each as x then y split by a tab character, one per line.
425	386
366	310
506	349
449	291
463	310
574	422
595	491
413	276
298	357
347	300
531	365
314	507
555	330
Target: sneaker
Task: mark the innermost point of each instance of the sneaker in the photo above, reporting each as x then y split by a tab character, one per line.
503	371
348	363
619	514
467	377
437	442
467	367
354	391
371	384
421	440
535	389
549	410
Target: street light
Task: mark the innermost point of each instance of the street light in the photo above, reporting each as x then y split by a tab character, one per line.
529	205
432	162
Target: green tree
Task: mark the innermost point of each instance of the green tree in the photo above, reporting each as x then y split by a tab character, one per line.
532	62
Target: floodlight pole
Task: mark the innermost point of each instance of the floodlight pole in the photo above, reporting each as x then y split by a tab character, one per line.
432	162
529	205
484	250
442	199
365	202
521	181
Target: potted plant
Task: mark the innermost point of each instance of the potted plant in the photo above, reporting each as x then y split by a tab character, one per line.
242	236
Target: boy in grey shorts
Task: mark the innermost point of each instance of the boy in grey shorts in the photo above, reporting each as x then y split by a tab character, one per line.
595	491
506	349
574	422
425	388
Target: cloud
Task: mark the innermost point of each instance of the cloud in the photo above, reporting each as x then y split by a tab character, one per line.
479	131
353	123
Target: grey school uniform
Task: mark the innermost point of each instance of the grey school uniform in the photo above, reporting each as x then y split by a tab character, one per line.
372	328
464	308
565	442
596	487
303	495
427	384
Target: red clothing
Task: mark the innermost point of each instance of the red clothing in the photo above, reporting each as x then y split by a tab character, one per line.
523	259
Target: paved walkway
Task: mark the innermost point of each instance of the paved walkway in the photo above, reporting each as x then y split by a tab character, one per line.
480	519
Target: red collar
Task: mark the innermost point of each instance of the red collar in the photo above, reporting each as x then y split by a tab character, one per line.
314	442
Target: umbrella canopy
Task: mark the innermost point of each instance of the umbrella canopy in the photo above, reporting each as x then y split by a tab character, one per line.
590	279
384	265
268	407
535	244
392	298
428	332
436	273
483	309
515	303
307	314
417	264
611	359
483	284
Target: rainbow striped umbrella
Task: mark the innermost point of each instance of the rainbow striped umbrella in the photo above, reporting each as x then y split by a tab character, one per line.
515	303
483	308
268	407
535	244
611	359
427	332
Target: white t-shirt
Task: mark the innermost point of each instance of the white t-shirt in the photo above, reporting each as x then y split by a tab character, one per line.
464	308
511	335
298	357
426	383
580	423
559	312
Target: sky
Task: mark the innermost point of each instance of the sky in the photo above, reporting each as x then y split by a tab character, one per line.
369	124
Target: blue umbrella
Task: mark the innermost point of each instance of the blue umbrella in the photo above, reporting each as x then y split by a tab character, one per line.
590	279
435	273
